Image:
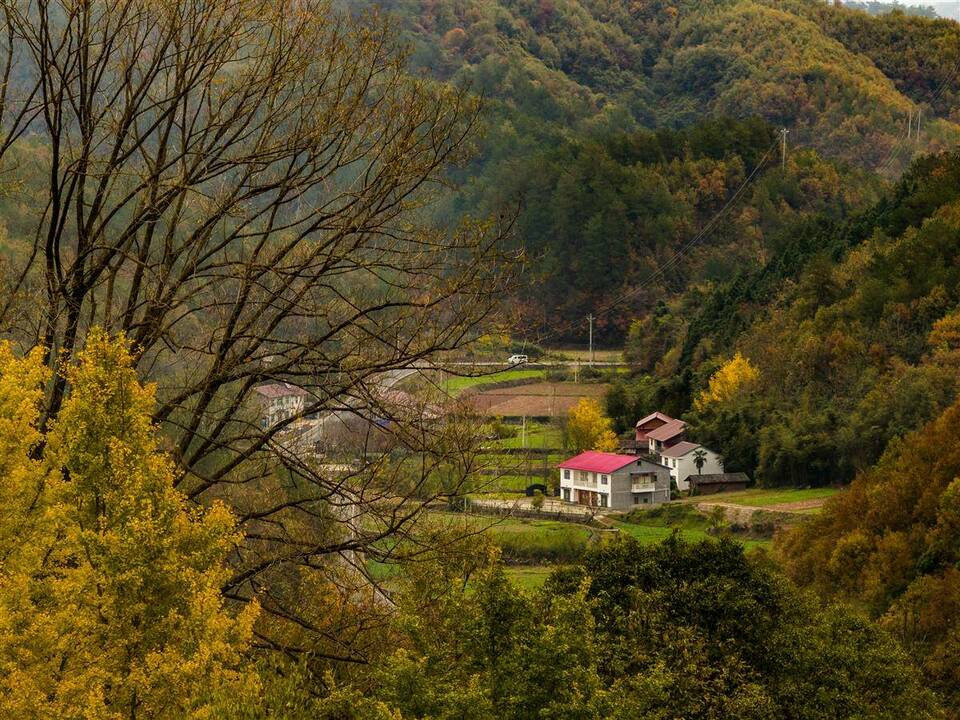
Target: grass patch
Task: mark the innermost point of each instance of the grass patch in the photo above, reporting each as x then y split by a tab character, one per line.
496	495
529	577
506	483
537	542
455	384
542	541
759	497
538	435
649	534
657	524
583	355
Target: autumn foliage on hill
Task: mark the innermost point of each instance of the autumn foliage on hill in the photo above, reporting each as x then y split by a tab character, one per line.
892	542
850	325
597	112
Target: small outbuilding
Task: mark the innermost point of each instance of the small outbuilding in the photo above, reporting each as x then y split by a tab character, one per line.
713	483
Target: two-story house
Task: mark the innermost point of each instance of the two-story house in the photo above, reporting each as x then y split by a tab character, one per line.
666	436
279	401
609	480
648	424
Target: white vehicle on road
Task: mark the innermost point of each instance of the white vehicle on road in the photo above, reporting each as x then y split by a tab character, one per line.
517	359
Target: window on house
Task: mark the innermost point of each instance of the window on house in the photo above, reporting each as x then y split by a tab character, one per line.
603	500
566	474
646	500
636	499
566	494
603	479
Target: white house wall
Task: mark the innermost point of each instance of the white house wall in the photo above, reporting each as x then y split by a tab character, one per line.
682	468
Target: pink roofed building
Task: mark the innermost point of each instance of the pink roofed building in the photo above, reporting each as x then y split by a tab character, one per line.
611	480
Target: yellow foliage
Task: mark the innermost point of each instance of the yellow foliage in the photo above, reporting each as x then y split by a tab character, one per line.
589	429
945	334
734	377
110	602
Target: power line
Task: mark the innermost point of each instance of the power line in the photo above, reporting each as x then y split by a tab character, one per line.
901	142
677	256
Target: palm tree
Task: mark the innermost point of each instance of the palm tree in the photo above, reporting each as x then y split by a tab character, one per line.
700	459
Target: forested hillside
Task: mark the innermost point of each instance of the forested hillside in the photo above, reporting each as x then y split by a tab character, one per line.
255	261
832	74
576	90
850	329
890	543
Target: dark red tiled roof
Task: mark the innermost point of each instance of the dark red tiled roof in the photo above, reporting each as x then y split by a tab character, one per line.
665	432
653	416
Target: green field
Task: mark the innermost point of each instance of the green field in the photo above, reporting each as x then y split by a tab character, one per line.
542	541
506	483
455	384
759	497
532	548
514	472
529	577
657	524
583	355
537	435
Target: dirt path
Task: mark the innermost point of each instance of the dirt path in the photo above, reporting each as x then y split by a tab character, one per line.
798	506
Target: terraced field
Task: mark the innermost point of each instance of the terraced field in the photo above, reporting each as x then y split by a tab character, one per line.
542	399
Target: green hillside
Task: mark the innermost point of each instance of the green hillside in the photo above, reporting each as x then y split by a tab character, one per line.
618	131
852	327
844	80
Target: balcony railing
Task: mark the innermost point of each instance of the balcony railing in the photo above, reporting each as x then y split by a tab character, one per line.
643	487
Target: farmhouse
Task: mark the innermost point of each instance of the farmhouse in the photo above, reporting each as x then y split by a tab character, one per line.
683	459
609	480
666	435
657	431
279	401
648	424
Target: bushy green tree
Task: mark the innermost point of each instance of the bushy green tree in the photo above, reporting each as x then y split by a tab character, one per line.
676	630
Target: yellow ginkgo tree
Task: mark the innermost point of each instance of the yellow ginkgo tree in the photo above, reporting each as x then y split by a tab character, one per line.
110	603
589	429
736	376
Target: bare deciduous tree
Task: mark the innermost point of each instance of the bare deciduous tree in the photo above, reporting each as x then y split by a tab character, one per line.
238	185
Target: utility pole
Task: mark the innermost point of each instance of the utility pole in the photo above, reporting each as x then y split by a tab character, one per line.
783	148
590	320
909	124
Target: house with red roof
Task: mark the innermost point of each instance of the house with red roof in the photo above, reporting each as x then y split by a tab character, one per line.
648	424
611	480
